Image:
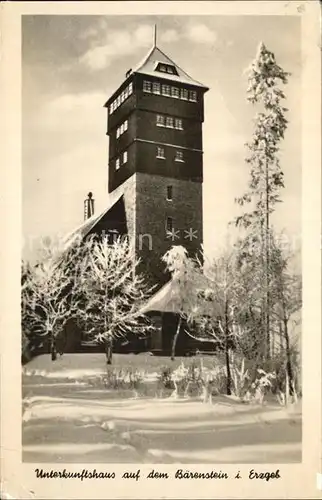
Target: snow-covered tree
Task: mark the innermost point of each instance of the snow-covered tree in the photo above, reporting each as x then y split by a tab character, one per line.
184	274
48	292
210	298
250	272
27	316
286	297
218	301
266	175
114	293
222	301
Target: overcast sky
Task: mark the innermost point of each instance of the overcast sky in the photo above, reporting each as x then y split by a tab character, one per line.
72	64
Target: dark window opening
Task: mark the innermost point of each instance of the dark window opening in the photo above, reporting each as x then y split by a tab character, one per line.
167	68
179	156
160	153
169	193
169	224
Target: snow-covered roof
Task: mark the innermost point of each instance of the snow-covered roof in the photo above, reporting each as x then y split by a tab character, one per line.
84	229
164	299
148	67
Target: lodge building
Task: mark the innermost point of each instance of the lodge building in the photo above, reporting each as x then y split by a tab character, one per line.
155	175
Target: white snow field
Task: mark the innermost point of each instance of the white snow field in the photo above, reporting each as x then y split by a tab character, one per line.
68	418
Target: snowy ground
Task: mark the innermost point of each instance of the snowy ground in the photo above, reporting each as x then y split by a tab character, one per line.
67	418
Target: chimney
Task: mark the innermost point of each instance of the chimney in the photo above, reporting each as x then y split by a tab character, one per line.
89	206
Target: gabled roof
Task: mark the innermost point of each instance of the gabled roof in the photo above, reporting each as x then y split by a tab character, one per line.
164	299
148	65
84	229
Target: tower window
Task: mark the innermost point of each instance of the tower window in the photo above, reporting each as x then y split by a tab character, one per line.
160	121
169	224
169	122
184	94
166	90
193	96
160	153
125	157
123	128
166	68
179	156
117	164
156	88
175	92
178	124
121	98
147	86
169	193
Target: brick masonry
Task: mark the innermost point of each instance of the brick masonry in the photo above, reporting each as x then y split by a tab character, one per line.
146	210
151	209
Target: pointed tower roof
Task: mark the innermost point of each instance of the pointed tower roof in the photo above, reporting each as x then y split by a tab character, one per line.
148	66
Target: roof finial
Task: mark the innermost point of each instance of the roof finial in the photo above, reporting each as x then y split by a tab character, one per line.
155	36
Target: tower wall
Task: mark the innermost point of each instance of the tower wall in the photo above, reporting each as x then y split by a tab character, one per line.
146	210
189	169
141	157
167	105
189	137
117	176
152	209
159	146
119	144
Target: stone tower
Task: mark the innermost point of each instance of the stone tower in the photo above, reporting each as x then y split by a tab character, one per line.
154	126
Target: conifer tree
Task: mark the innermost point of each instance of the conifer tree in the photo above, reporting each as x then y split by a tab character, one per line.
266	175
286	298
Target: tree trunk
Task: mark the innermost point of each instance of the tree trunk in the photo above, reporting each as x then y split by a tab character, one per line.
289	368
175	338
109	350
267	248
53	350
281	333
228	389
261	345
263	316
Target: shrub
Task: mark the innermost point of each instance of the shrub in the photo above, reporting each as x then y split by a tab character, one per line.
260	386
284	397
180	379
197	380
278	365
251	384
240	378
218	380
165	378
213	382
123	378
